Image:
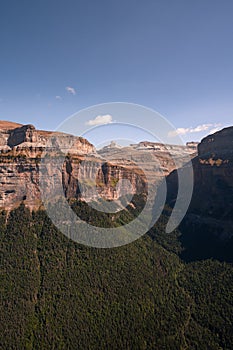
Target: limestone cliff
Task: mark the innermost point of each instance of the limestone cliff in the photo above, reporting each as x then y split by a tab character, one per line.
213	175
208	225
157	159
21	148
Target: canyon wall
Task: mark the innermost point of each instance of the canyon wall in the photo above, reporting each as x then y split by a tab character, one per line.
21	168
208	224
85	173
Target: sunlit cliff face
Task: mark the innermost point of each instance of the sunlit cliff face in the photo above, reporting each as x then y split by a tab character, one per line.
101	174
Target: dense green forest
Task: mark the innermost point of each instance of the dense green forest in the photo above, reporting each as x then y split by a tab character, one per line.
57	294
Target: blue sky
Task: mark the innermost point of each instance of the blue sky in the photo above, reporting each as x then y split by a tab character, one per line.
173	56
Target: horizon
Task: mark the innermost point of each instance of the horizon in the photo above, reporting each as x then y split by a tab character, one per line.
175	58
116	199
119	141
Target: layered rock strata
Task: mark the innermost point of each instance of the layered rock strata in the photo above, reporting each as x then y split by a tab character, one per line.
21	168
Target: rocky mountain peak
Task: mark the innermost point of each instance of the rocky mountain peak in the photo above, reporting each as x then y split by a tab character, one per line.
218	142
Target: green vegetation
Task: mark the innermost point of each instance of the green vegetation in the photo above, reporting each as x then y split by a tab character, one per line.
57	294
114	182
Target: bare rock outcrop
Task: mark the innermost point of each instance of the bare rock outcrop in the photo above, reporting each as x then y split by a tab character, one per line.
221	141
157	159
83	173
208	225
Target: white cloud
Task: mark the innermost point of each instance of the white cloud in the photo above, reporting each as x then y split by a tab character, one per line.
212	131
100	120
58	97
191	130
70	90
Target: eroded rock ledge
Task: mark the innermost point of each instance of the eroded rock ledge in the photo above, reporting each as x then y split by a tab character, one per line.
21	149
99	173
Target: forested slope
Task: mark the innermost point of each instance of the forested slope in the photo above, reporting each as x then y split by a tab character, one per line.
57	294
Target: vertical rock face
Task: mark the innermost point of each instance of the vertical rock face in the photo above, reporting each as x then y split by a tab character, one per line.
213	171
92	179
83	173
157	159
208	226
221	141
25	133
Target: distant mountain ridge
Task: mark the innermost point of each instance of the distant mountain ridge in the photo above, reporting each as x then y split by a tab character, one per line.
59	294
21	147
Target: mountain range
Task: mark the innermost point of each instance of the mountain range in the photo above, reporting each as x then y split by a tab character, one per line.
163	291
